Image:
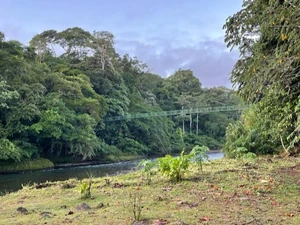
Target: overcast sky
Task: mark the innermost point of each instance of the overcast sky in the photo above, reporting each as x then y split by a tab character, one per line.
165	34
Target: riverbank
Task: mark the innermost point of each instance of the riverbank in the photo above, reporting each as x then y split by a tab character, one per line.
14	181
30	165
265	191
25	166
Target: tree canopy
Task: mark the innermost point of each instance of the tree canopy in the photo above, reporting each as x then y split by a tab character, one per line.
55	93
267	34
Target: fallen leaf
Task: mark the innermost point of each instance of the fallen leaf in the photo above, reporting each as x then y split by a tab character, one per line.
246	192
274	203
160	222
204	218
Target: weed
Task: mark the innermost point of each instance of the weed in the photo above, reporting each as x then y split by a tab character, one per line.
135	205
85	187
26	186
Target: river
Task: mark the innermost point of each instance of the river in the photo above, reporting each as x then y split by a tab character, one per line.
13	182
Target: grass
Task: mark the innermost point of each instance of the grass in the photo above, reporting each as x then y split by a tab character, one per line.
27	164
266	191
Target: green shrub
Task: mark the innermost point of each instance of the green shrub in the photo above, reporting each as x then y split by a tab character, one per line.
250	135
174	167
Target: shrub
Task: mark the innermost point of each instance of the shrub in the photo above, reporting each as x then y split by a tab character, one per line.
174	167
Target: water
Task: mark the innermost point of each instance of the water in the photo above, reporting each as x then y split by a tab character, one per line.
13	182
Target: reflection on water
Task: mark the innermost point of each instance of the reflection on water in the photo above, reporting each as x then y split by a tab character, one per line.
13	182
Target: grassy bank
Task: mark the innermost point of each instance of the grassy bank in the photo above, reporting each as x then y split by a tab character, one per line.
266	191
42	163
27	164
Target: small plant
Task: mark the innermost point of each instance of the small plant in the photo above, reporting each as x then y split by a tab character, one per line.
85	187
147	165
174	167
26	186
199	155
107	181
135	205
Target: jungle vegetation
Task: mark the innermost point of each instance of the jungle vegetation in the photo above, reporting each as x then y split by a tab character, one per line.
56	92
267	75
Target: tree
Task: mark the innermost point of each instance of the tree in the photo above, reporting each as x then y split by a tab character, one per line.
74	41
2	37
185	82
102	42
267	34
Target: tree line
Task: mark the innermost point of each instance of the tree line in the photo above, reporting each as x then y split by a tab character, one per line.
56	91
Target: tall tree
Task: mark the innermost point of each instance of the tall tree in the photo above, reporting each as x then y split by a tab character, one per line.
267	34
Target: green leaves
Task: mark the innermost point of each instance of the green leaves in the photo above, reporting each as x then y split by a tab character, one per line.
174	167
53	104
267	35
199	155
9	151
6	95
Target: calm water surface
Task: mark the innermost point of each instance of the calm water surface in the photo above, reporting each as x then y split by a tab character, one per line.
13	182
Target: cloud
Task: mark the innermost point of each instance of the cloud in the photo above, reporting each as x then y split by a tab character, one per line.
209	59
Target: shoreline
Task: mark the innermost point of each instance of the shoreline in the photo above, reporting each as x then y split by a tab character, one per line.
257	190
84	163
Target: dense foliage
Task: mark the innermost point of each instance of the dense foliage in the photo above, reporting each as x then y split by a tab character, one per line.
267	74
55	93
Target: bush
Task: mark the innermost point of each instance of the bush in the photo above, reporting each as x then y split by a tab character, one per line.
250	135
174	167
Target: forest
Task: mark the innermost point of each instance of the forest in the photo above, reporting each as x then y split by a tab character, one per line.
57	91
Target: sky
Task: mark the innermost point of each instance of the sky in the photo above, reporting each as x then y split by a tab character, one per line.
165	34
